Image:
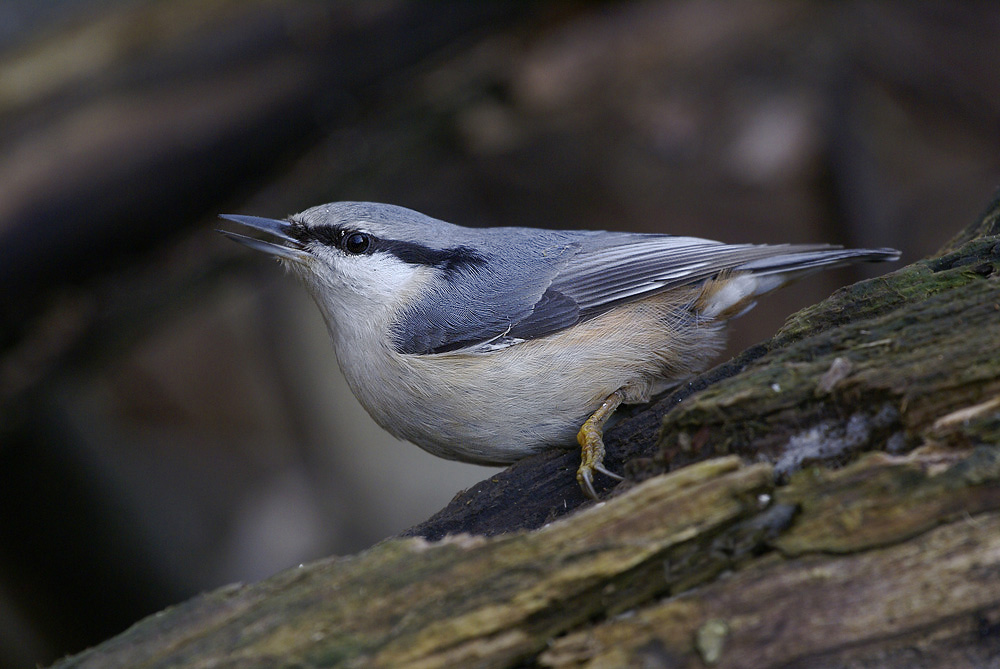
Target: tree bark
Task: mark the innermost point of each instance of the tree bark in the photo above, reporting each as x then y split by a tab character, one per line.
829	498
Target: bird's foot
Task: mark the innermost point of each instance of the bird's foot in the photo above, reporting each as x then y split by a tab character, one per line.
591	440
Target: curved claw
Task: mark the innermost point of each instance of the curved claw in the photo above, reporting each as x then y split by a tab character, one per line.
586	480
599	467
585	476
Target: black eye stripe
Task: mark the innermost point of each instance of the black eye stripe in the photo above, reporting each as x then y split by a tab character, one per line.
350	241
327	235
358	242
450	259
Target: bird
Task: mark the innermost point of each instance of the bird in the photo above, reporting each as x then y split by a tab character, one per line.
487	345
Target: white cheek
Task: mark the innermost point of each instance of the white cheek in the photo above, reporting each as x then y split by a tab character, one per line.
377	276
361	293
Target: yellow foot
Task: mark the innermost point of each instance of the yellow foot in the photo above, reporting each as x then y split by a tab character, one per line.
591	439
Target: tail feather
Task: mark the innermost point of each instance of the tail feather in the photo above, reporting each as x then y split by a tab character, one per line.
813	258
734	294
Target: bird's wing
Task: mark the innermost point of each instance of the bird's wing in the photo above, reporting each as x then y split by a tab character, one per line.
479	306
533	297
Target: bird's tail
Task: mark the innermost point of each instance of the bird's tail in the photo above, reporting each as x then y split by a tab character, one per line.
735	292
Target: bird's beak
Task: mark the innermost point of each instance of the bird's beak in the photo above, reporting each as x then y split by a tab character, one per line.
290	250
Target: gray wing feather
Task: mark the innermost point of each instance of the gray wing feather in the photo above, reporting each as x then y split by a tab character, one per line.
608	276
532	293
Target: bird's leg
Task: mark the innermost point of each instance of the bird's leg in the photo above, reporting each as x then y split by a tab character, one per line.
591	439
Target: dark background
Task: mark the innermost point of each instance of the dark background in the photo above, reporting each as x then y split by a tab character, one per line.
171	414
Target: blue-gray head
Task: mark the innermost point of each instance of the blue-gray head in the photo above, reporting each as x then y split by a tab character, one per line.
431	285
341	230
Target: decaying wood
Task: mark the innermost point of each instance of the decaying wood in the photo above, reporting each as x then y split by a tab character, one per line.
834	501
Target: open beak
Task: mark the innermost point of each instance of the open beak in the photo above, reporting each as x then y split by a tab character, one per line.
289	250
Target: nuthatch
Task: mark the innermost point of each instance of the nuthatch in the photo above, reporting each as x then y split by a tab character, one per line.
486	345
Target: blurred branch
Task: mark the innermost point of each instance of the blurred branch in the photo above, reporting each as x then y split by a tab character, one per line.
121	131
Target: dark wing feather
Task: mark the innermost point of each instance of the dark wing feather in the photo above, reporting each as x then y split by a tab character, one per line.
553	312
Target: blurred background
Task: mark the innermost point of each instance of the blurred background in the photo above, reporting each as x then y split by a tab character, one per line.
172	418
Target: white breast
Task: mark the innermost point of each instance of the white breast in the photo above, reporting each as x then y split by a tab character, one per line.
497	407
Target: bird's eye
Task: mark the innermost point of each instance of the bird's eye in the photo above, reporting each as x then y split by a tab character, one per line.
356	243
